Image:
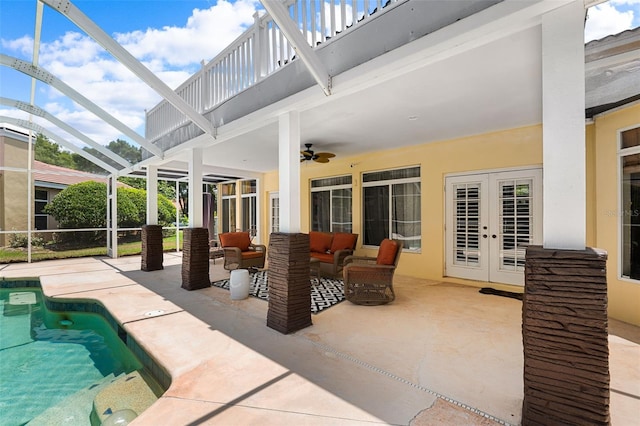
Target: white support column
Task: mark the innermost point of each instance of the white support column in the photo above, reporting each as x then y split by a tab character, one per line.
178	216
195	188
152	195
289	171
112	216
563	105
259	211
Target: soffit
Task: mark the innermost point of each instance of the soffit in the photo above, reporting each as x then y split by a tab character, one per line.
492	87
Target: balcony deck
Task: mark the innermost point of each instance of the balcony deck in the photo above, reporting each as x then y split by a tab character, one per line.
261	68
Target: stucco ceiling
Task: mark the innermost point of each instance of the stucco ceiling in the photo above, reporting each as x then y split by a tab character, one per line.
494	86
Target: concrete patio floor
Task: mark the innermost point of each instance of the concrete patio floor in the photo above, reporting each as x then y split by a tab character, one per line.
441	354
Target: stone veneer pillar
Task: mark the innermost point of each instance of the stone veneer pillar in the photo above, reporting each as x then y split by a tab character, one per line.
289	283
152	249
565	337
195	259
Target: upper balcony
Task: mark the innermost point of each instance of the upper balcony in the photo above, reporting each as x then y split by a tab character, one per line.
261	68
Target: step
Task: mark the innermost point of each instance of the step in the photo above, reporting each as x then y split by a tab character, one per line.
74	410
126	397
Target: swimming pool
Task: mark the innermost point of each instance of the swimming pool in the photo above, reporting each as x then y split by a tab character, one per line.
55	361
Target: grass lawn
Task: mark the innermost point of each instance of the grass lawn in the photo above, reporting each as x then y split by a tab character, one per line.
8	255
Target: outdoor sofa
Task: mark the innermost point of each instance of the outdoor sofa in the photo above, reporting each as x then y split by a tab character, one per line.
331	248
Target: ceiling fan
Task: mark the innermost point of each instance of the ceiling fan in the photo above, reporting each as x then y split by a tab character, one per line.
318	157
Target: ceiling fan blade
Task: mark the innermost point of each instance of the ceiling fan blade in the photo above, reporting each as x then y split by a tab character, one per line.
321	159
324	154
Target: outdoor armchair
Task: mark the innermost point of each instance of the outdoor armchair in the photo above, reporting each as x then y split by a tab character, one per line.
240	252
215	249
369	280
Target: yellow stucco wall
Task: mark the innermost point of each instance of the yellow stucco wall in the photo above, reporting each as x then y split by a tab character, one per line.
624	295
505	149
14	186
512	148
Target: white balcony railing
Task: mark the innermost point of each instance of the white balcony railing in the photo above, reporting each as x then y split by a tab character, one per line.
259	52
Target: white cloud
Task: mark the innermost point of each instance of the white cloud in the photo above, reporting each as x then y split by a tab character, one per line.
206	33
173	53
610	18
22	45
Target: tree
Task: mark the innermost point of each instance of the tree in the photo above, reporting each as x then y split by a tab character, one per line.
125	150
165	188
51	153
183	197
84	205
122	148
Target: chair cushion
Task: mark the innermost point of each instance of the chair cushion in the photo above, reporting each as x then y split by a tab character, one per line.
387	252
323	257
242	240
319	242
252	254
343	241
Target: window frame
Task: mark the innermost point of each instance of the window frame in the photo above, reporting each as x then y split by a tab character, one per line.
389	184
228	206
36	215
330	189
620	213
252	197
274	212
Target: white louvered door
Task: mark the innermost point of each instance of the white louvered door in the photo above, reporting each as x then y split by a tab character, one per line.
490	220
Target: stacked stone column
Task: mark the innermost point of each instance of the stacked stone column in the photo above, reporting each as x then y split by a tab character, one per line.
565	337
195	259
289	284
152	249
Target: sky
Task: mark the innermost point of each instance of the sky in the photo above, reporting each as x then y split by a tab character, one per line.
170	37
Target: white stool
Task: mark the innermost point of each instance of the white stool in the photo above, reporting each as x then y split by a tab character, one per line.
239	284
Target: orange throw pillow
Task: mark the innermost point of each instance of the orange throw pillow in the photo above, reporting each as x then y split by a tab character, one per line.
319	242
387	252
242	240
343	241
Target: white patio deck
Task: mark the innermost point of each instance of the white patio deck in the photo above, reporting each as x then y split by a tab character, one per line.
416	361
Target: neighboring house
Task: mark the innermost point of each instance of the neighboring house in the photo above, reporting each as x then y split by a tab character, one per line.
48	180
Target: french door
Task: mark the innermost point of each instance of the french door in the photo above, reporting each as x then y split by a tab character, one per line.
491	218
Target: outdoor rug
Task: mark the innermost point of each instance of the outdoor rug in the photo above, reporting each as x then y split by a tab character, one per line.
325	292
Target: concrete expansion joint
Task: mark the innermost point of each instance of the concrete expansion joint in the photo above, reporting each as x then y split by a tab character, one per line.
408	382
151	315
227	405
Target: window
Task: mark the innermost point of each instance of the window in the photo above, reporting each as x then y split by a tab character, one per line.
249	207
274	203
331	204
391	207
630	202
228	207
41	199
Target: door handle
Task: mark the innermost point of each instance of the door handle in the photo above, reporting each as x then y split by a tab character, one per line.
494	236
484	235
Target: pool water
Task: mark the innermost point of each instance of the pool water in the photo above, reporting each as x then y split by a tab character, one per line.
49	358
